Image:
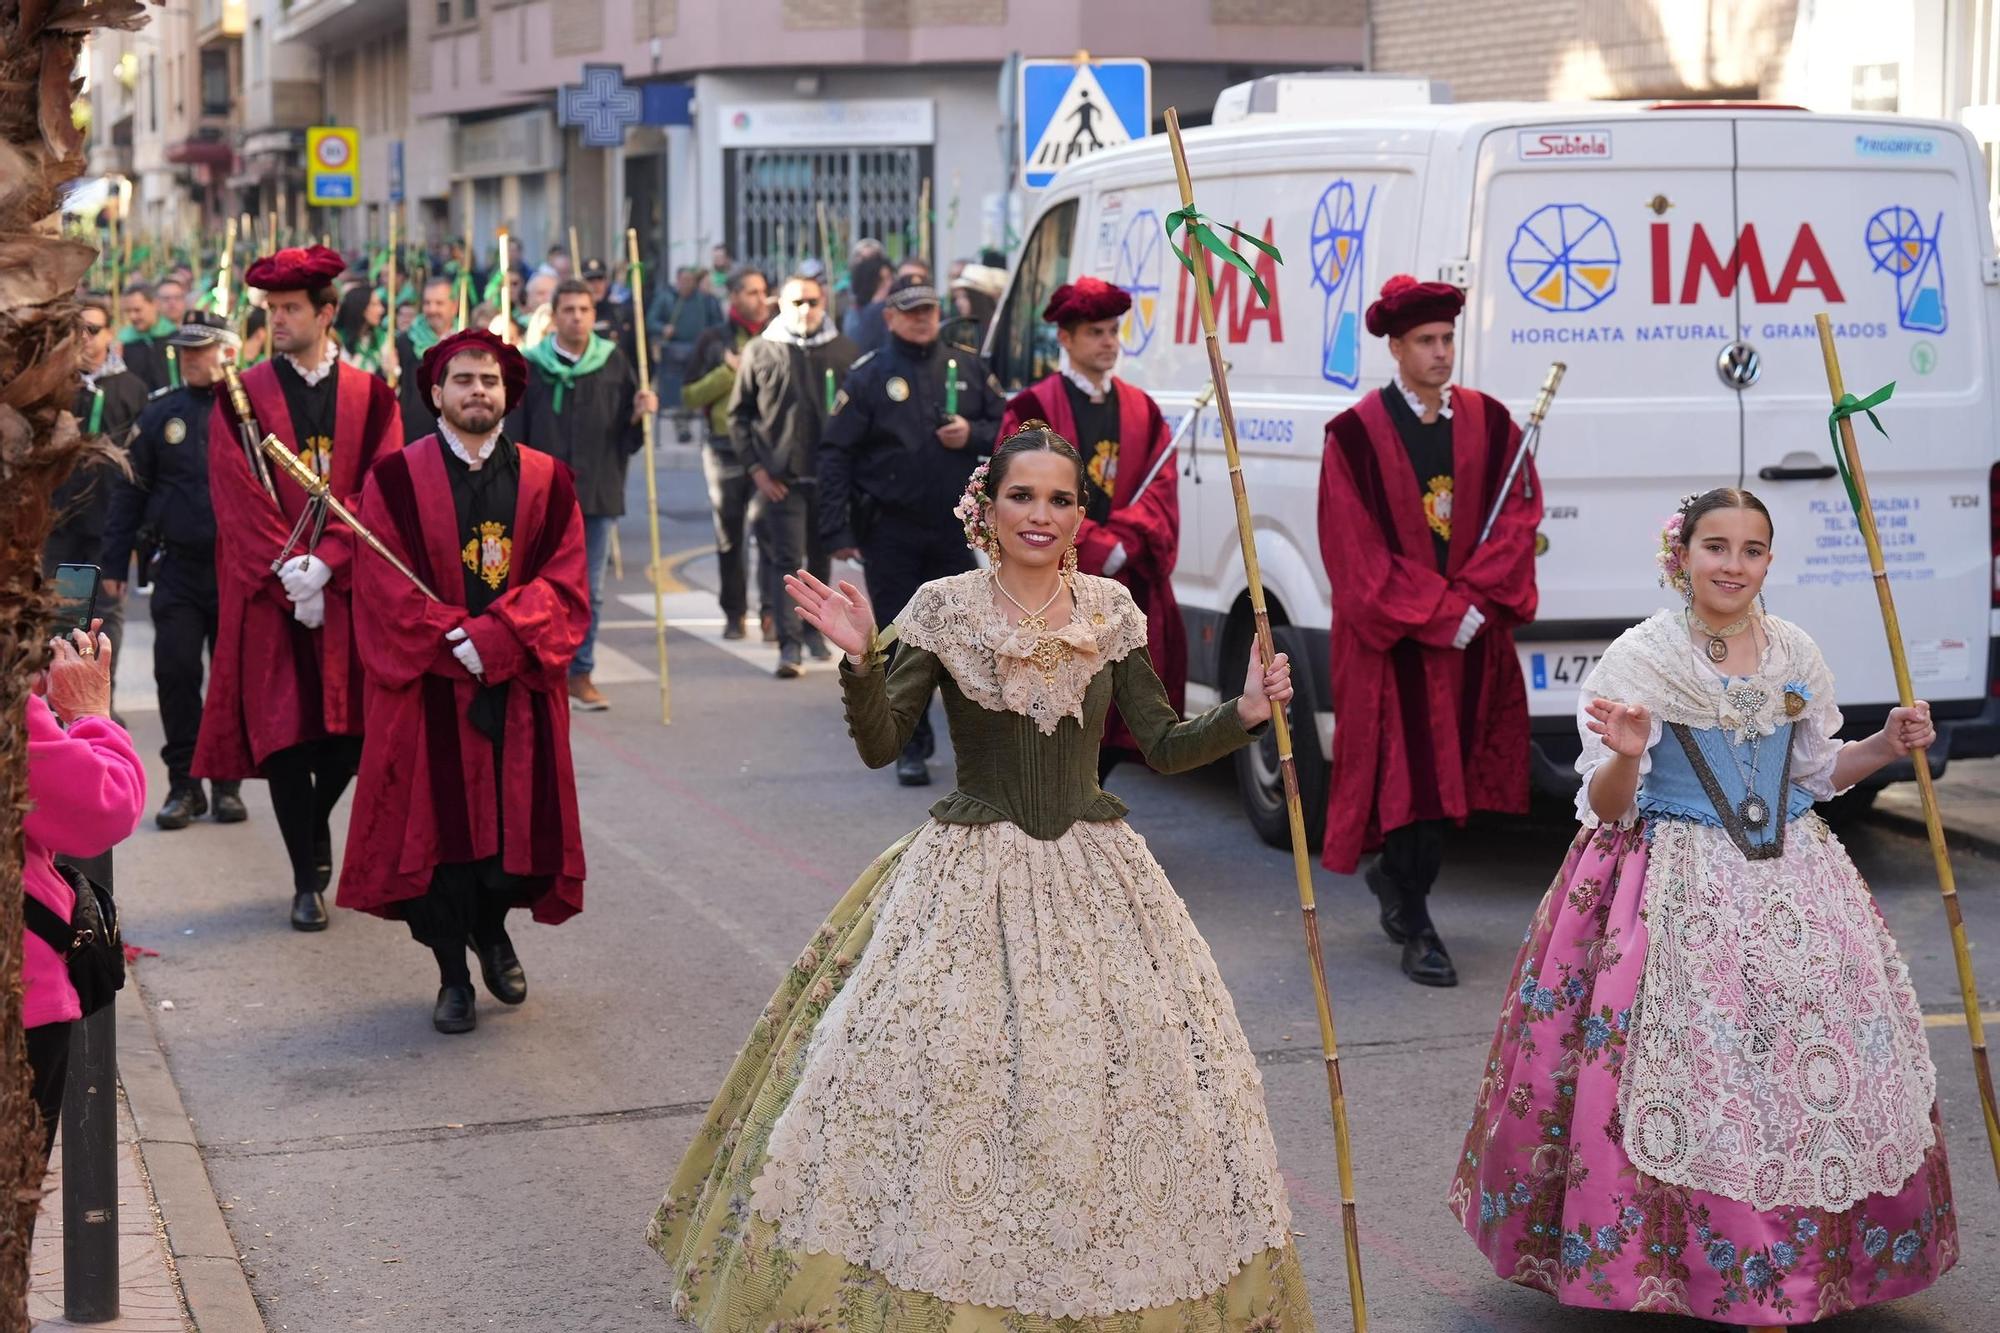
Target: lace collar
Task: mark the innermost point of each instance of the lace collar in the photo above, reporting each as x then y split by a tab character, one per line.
472	459
1653	663
1417	404
329	358
992	661
1082	381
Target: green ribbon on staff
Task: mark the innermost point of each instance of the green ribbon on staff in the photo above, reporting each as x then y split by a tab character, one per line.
1849	406
1204	235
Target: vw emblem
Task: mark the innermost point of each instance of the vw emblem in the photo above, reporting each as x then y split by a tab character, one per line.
1739	365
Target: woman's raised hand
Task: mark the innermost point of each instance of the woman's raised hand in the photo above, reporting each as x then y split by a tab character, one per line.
1627	728
842	614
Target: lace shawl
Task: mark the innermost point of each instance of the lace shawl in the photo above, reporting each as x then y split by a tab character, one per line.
992	661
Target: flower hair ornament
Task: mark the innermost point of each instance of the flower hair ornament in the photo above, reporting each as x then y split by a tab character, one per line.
974	511
1673	569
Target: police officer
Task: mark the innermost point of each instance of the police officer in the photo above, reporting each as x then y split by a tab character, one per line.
894	461
163	514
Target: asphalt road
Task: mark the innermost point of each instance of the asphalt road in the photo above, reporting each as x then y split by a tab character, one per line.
379	1176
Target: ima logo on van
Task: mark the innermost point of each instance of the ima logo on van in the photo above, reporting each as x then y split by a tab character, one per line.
1237	308
1805	267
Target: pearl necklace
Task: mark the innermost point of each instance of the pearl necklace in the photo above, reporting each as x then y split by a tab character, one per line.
1049	652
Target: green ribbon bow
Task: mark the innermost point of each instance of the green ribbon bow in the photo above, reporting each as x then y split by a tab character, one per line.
1204	235
1849	406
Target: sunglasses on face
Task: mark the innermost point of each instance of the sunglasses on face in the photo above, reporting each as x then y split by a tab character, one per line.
811	301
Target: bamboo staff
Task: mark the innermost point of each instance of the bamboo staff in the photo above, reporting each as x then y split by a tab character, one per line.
575	254
924	221
391	363
825	252
506	290
655	571
465	268
1849	458
1281	729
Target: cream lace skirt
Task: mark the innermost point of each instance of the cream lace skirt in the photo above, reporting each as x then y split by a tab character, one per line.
1027	1090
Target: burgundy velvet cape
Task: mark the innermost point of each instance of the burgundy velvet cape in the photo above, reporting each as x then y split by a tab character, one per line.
1150	530
425	795
1420	729
272	682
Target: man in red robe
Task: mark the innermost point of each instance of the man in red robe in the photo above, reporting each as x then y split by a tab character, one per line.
467	802
284	686
1127	534
1430	712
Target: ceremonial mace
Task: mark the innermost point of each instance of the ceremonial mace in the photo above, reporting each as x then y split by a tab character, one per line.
1280	726
1201	400
654	571
1849	459
395	367
1531	440
319	493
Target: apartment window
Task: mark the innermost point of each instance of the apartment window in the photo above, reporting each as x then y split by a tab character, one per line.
214	83
444	13
469	10
153	93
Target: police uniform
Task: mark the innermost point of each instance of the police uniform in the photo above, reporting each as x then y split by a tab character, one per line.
164	515
887	486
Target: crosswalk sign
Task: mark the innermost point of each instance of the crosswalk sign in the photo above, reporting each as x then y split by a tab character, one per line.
1071	108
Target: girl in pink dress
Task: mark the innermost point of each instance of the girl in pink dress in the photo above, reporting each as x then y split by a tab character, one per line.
1710	1093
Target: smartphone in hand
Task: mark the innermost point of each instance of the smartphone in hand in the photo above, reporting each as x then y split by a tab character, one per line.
76	598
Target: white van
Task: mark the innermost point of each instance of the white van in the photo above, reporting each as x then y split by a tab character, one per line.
1674	256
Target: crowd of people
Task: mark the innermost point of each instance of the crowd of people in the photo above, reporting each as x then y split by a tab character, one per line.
1668	1119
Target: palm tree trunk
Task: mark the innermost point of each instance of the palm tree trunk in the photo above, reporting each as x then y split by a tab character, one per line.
40	151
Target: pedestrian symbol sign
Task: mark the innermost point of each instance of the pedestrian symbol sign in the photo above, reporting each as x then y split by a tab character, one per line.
1072	108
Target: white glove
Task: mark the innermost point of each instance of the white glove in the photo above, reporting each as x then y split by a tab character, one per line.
310	610
1115	561
303	576
465	651
1469	627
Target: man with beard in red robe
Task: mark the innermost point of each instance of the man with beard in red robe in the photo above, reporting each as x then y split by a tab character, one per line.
467	801
1430	712
1125	535
284	685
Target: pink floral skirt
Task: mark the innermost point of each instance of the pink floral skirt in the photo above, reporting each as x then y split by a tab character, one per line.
1545	1189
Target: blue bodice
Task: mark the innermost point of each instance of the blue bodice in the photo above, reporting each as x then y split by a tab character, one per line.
1675	789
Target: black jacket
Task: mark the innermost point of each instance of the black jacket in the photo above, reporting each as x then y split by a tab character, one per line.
84	497
147	359
419	417
168	490
778	409
594	433
880	454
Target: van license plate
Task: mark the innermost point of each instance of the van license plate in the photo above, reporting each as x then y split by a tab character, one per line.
1551	667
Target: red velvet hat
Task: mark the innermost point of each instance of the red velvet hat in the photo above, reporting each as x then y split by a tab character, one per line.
296	269
1407	303
1085	301
513	366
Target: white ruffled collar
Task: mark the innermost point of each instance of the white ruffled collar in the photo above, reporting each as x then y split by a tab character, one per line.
474	459
329	358
1417	404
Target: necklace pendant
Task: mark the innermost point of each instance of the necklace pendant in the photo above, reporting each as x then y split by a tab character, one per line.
1754	813
1718	650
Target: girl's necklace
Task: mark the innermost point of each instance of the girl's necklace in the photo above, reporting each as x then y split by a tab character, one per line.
1049	652
1751	809
1718	639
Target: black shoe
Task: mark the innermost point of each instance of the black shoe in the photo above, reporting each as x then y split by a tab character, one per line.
308	911
184	805
323	859
789	668
229	807
500	968
732	628
1425	961
1395	922
454	1011
912	771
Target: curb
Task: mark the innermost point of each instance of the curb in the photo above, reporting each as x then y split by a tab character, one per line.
211	1272
1957	839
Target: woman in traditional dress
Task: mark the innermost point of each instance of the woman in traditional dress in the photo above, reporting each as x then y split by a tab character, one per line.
1004	1082
1710	1092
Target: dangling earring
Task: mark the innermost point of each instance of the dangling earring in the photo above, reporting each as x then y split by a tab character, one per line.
1762	609
1685	582
1069	561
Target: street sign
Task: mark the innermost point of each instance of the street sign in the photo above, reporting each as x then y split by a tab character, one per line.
395	171
601	108
333	166
1070	109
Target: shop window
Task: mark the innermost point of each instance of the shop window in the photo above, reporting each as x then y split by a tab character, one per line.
1024	347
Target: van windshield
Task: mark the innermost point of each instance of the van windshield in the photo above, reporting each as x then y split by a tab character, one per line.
1024	346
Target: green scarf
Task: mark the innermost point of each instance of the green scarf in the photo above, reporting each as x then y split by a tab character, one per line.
162	328
558	369
422	339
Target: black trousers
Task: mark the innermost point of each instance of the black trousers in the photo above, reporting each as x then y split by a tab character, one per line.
75	545
729	492
899	557
48	1068
306	783
788	539
1413	855
183	628
467	900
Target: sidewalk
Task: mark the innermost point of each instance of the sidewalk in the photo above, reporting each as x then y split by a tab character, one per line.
149	1298
1968	799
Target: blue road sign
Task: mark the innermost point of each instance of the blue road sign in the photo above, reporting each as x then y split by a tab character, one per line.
1070	110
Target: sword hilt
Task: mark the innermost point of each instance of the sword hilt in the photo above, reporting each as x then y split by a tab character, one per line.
1550	384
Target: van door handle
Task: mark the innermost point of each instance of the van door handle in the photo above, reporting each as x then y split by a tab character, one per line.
1819	472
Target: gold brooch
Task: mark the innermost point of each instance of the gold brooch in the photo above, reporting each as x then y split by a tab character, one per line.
1795	703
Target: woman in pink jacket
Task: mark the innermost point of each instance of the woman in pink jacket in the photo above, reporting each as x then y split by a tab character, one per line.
88	790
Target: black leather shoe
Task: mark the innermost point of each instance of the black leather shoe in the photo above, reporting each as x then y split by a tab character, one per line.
912	771
323	860
732	628
1425	961
500	967
308	911
183	806
454	1011
1395	924
789	668
229	804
